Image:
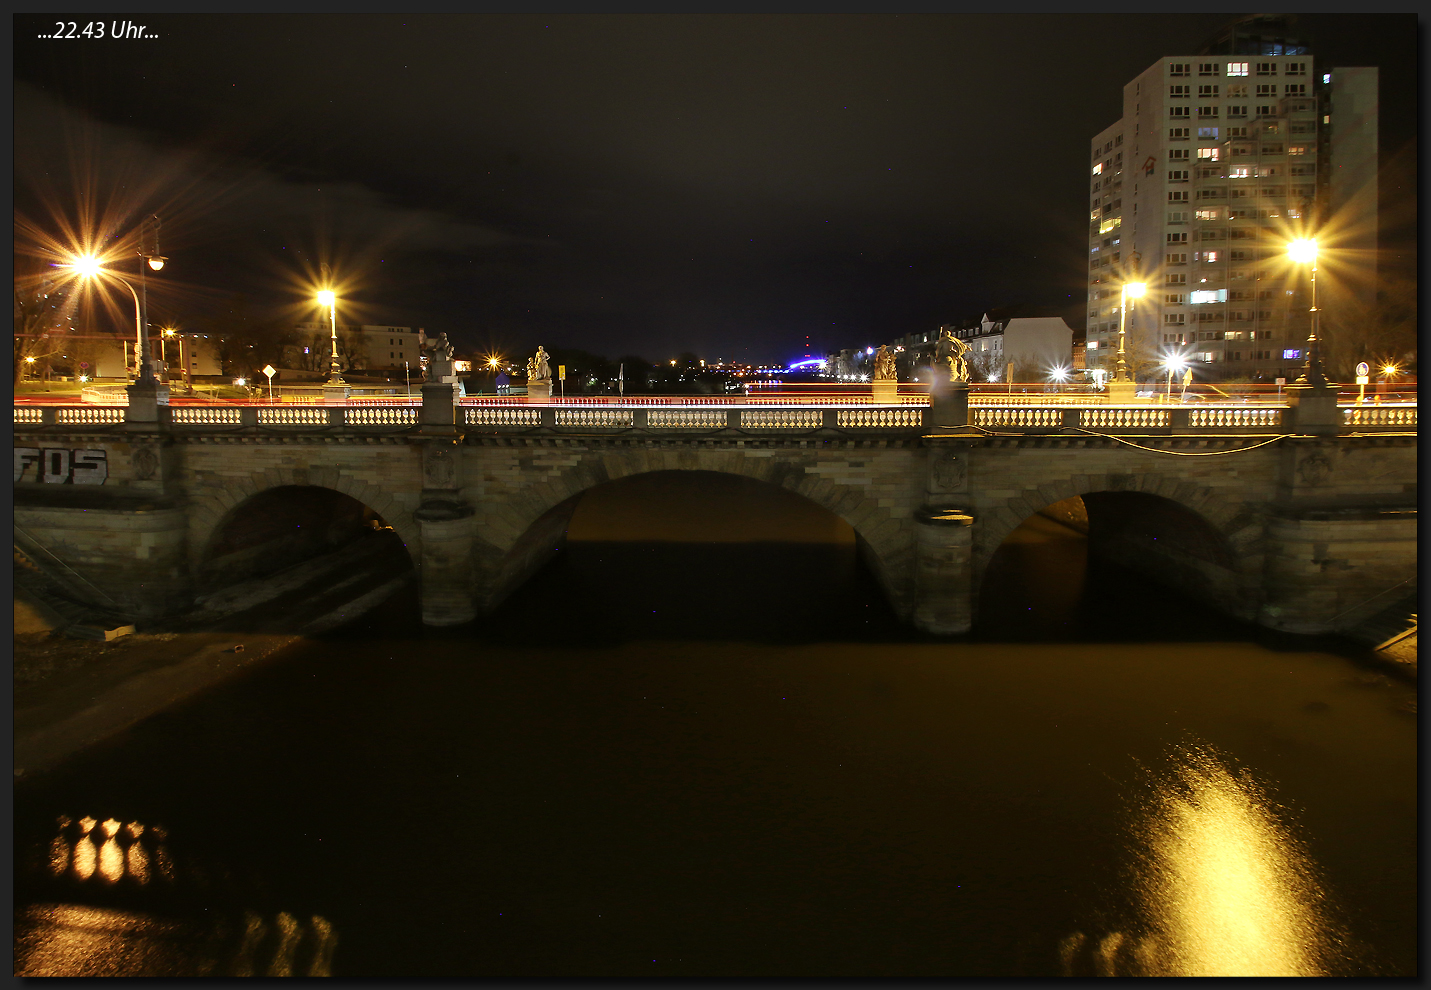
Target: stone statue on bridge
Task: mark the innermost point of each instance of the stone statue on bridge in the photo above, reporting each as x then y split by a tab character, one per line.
949	353
538	367
439	359
884	370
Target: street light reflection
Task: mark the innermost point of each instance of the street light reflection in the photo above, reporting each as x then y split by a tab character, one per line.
1223	885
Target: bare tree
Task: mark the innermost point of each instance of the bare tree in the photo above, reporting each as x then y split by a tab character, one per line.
42	314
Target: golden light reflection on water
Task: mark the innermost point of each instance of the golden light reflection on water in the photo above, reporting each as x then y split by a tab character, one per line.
1223	886
77	940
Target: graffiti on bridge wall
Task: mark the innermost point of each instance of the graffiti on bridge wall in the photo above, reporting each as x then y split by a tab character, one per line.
61	466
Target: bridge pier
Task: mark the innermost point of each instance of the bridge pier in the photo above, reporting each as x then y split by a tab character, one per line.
943	559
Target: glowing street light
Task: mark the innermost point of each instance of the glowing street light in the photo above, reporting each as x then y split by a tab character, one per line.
89	266
1303	251
1175	364
1131	290
326	297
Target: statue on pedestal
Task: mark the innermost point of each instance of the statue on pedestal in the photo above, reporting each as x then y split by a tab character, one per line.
884	370
439	359
538	368
949	353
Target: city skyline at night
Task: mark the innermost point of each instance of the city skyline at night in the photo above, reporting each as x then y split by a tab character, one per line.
727	185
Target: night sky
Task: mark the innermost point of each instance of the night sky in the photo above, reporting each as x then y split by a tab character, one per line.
646	184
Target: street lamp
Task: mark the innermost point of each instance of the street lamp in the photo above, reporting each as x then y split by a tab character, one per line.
1303	251
1175	364
89	266
326	297
1131	290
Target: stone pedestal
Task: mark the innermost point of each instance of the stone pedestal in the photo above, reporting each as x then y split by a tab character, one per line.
439	405
1123	393
145	400
1314	410
335	395
949	405
539	391
885	391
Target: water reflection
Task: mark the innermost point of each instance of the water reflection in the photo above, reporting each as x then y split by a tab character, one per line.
121	851
79	940
1222	885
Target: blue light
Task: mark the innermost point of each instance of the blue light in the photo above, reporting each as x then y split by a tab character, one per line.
806	363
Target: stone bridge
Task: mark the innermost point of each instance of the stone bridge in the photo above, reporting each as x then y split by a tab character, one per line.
1301	520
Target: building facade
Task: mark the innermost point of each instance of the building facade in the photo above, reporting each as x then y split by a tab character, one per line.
1216	164
361	348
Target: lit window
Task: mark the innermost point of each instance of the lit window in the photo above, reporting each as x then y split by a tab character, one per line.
1098	169
1206	133
1208	154
1327	78
1209	214
1199	296
1210	257
1237	68
1239	172
1108	225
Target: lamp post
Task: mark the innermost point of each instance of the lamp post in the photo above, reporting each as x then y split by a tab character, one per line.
1304	251
327	297
1122	387
145	392
1174	364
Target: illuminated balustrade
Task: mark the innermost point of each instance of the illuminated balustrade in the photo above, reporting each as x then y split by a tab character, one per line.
381	416
1387	415
205	416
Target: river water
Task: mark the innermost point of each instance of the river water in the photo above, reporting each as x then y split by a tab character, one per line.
669	758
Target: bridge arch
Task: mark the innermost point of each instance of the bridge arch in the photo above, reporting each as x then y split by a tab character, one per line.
214	509
1210	545
516	541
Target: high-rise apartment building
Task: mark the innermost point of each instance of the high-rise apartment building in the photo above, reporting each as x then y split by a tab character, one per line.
1217	162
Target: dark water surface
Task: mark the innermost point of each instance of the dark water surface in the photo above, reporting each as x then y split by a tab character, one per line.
668	759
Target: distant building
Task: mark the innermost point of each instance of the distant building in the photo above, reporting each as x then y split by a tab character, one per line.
360	348
1221	158
1035	344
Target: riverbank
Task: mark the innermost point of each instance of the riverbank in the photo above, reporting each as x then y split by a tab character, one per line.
73	693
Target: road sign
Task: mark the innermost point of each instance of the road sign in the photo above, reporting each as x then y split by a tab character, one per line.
270	370
1281	382
84	364
1363	369
561	372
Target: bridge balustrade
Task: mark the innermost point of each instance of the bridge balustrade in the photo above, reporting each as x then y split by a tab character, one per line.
703	413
